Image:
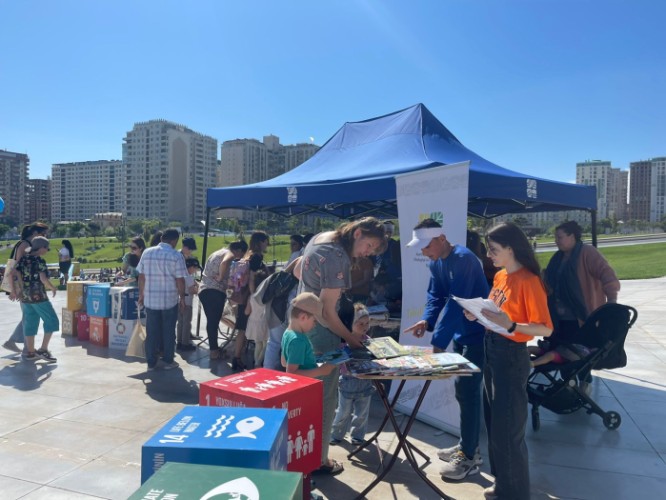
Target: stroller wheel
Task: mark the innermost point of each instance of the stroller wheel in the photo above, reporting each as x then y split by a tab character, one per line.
536	422
612	420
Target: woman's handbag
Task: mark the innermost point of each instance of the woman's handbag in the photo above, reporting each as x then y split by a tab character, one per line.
7	277
136	346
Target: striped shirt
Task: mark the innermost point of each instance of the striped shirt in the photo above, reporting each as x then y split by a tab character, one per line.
161	266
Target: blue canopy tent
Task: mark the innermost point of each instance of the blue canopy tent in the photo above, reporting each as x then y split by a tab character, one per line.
353	175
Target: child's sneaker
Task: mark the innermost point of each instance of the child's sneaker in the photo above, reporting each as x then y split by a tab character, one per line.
357	441
458	467
45	355
335	442
30	356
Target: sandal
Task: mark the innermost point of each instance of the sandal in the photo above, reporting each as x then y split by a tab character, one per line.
329	470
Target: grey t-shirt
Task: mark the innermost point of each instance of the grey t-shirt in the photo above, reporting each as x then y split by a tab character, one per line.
325	265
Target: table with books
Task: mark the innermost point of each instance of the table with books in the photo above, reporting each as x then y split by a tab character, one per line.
384	359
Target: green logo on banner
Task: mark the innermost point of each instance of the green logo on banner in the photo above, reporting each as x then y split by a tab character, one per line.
436	216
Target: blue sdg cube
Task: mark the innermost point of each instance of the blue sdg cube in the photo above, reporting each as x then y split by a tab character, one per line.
98	300
255	438
124	302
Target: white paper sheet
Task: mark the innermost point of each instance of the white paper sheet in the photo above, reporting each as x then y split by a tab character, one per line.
475	306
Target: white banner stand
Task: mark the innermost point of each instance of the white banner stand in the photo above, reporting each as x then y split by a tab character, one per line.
440	194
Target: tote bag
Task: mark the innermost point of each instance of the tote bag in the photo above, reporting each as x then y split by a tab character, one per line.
7	277
136	347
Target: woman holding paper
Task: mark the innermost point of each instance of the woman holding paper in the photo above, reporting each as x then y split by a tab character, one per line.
520	295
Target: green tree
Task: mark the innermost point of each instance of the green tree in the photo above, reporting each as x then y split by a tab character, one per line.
94	229
3	229
76	228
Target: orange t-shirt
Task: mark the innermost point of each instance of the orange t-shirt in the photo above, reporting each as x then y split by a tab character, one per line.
522	296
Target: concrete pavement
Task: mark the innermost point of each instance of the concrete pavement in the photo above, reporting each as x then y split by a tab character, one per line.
74	430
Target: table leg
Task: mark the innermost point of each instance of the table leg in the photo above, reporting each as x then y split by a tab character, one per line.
403	443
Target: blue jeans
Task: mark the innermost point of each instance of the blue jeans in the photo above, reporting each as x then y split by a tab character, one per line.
353	408
468	395
273	348
505	404
160	331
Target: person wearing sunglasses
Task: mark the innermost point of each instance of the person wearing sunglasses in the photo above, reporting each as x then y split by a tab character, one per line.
129	275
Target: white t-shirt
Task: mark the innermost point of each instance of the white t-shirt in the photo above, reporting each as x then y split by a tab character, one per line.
64	253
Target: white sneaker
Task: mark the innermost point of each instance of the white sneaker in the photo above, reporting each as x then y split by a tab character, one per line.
446	454
458	467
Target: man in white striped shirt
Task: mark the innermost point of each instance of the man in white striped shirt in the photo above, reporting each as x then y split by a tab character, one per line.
162	274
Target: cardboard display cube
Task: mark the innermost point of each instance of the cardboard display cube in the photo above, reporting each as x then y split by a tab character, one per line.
301	396
98	300
68	324
75	301
99	331
176	480
124	302
120	331
246	437
82	325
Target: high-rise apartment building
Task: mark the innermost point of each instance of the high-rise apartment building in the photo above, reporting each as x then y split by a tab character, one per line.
246	161
168	169
611	184
79	190
13	180
648	189
38	200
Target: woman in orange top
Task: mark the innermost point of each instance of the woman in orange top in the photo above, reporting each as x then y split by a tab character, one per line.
521	297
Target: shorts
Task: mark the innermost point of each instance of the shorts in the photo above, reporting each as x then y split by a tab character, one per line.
32	313
64	266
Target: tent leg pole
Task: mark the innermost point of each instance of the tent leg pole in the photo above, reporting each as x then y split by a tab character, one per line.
593	213
203	261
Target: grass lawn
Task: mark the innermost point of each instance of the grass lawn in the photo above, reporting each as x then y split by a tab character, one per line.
631	261
108	251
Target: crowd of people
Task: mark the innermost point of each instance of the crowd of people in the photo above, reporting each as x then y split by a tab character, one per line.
320	299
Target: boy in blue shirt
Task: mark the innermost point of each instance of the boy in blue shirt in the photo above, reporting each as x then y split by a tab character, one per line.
297	354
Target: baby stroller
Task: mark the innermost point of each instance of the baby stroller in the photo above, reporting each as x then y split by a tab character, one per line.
556	386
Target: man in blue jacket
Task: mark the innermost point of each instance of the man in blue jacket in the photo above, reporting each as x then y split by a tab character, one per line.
455	270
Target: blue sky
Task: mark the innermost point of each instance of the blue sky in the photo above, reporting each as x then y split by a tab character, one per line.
533	85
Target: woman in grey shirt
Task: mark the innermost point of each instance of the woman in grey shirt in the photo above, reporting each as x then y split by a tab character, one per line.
326	272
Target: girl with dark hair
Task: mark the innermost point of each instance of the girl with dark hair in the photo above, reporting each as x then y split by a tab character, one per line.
259	243
65	256
326	272
520	296
130	276
213	289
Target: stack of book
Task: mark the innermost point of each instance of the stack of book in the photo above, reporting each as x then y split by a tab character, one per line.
427	364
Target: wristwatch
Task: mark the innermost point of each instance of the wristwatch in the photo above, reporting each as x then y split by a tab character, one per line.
512	328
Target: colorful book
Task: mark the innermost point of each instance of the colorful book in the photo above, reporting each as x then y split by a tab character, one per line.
335	357
385	347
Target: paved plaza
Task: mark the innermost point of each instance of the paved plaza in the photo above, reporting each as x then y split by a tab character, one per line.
74	430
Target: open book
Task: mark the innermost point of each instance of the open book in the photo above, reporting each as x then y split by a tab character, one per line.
475	306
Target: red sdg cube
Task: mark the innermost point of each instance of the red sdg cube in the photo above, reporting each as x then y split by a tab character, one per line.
82	325
99	331
302	397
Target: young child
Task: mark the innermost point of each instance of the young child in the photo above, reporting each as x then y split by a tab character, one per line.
297	353
354	394
30	288
184	325
561	354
